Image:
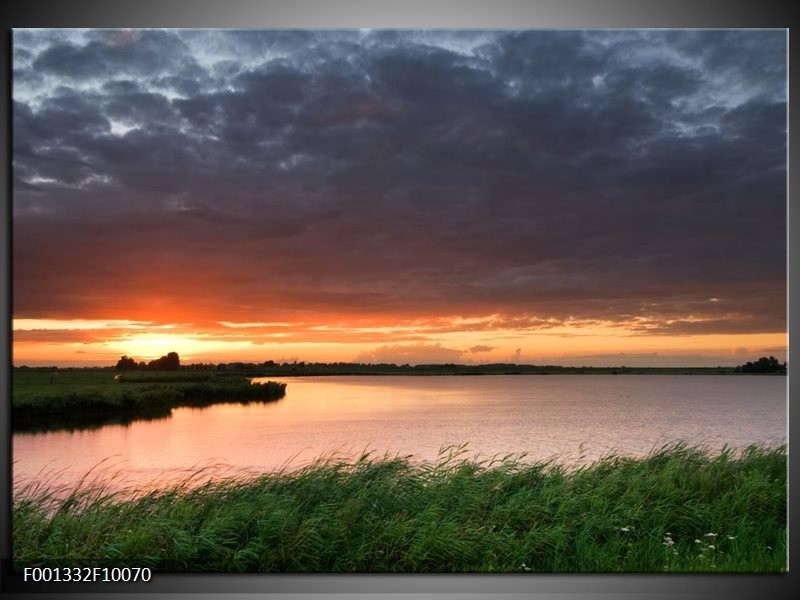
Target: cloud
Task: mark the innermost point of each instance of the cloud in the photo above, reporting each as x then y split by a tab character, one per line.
68	336
414	354
481	348
113	53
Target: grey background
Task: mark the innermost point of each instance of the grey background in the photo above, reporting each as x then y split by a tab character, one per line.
560	14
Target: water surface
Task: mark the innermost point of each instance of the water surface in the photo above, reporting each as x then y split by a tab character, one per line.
566	416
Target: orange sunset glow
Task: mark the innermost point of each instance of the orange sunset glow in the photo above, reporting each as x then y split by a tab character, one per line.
569	344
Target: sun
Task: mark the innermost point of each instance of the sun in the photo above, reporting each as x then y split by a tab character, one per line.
144	346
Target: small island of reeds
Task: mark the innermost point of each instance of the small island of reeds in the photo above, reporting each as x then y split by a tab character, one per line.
84	398
679	509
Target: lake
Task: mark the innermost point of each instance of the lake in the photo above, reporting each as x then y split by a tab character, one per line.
563	416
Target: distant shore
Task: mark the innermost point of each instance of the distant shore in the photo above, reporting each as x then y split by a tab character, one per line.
51	398
273	369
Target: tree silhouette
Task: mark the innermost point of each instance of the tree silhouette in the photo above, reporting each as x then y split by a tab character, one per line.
126	364
762	365
170	362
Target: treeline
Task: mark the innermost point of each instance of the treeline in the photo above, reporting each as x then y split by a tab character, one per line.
271	368
762	365
170	362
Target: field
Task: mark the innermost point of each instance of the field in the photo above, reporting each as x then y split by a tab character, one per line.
680	509
85	398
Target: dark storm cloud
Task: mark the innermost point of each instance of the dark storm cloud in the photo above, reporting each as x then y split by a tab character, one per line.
115	52
605	175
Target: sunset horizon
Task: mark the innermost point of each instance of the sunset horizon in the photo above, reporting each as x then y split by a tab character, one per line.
234	343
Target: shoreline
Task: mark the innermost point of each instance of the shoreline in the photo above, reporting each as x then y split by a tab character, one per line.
42	401
679	509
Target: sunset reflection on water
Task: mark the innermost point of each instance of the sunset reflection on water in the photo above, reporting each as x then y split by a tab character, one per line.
543	417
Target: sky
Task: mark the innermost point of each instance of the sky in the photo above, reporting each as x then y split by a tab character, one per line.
600	197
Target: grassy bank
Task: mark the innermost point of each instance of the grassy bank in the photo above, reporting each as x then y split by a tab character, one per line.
680	509
46	400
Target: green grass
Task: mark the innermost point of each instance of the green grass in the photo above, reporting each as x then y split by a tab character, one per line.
679	509
64	399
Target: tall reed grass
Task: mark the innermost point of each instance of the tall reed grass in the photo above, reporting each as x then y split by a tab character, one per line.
678	509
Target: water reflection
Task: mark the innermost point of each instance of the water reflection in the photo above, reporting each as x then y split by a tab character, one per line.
566	416
92	422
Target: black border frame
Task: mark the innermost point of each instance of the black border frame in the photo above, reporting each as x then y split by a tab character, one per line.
470	14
